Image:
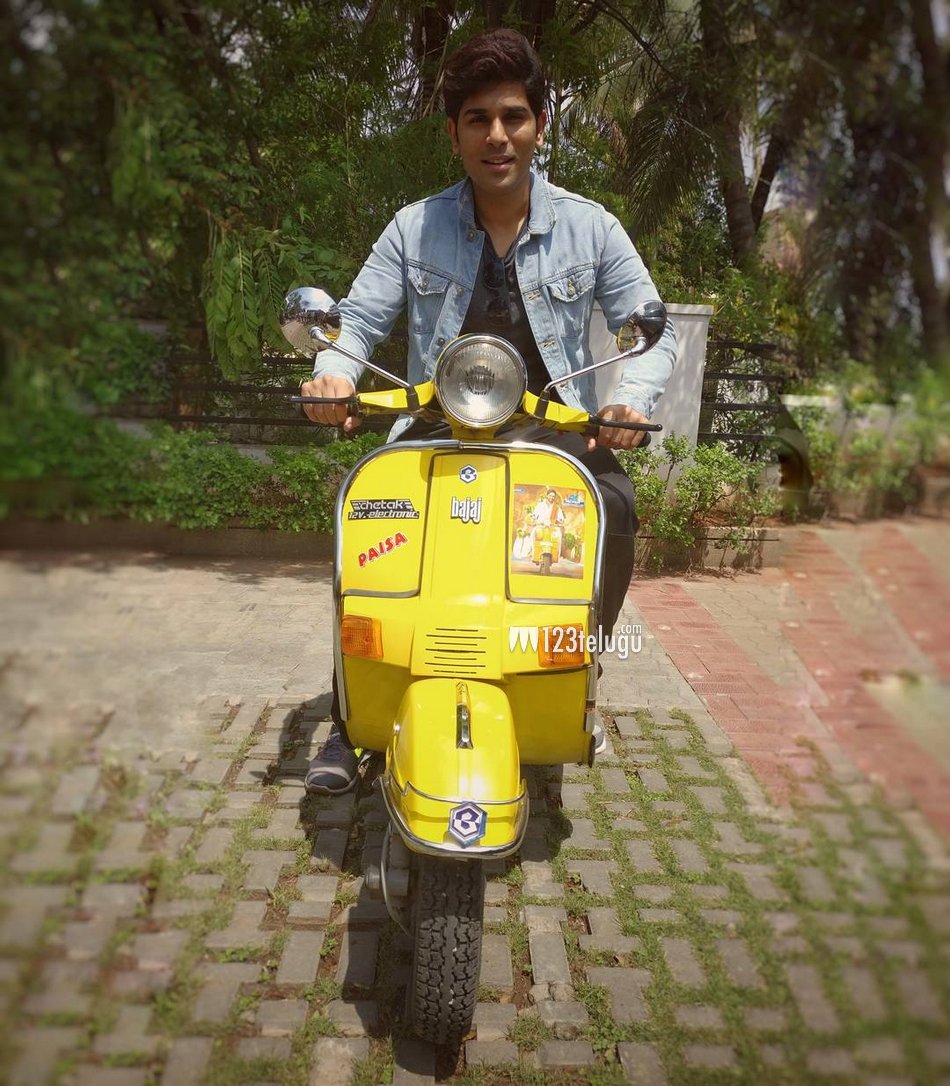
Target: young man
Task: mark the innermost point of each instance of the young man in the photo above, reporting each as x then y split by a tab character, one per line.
507	253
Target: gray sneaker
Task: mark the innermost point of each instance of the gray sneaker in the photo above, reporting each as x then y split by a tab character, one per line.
600	740
334	770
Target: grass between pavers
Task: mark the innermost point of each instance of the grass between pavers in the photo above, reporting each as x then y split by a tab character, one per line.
664	995
172	1008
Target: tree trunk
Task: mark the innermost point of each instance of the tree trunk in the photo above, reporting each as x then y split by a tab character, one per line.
724	125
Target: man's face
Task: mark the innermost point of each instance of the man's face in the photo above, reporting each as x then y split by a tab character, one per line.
496	137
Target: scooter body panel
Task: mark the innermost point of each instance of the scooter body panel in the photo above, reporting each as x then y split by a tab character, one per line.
430	550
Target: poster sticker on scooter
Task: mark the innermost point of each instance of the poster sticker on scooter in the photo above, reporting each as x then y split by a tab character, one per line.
547	531
467	823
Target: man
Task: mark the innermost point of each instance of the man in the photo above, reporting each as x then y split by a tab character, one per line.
507	253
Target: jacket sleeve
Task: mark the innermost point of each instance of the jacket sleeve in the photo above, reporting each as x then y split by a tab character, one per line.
370	310
623	282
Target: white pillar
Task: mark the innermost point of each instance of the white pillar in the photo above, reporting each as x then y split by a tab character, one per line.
678	408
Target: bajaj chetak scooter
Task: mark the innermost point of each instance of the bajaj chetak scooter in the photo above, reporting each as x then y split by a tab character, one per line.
456	651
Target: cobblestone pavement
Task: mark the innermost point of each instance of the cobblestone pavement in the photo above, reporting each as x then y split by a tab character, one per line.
751	891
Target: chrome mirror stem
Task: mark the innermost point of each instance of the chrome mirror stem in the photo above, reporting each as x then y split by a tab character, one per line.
324	343
631	353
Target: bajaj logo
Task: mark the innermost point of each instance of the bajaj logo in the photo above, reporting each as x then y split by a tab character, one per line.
467	509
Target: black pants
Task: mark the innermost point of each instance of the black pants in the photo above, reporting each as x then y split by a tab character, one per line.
619	504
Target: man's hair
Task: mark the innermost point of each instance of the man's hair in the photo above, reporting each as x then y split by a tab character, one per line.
490	58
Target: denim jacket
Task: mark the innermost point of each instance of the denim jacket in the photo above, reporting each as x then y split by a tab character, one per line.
572	253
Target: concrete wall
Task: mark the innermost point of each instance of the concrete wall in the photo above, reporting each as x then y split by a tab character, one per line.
678	408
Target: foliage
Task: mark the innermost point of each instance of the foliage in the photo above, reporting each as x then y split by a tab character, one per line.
59	463
711	486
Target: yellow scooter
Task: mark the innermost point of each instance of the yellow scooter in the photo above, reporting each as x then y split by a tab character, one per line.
452	653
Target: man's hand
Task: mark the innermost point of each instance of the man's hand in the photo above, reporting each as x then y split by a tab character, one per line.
618	439
330	414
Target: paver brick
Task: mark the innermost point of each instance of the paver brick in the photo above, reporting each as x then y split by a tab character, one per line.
758	880
300	959
489	1053
641	1064
682	963
334	1059
653	780
357	965
129	1035
830	1061
158	950
567	1018
280	1017
329	848
414	1063
689	855
50	851
594	875
353	1018
765	1019
816	1011
548	958
710	797
39	1052
740	965
244	929
264	867
864	992
215	845
711	1056
919	995
496	967
65	989
110	1076
220	984
700	1017
187	1061
264	1048
565	1054
625	987
74	790
27	907
643	857
493	1020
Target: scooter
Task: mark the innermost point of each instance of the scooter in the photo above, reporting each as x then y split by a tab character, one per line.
547	548
453	654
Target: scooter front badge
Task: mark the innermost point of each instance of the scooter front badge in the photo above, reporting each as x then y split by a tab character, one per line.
467	823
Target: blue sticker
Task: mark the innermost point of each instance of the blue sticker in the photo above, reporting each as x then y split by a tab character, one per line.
468	474
467	823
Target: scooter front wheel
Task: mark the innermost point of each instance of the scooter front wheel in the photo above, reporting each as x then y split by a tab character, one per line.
446	947
545	564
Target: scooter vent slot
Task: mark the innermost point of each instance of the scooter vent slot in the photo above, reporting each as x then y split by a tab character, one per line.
455	650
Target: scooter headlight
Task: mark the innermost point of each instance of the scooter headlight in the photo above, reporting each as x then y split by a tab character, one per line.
480	380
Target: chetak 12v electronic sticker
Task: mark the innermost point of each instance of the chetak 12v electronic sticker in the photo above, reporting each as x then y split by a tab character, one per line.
382	509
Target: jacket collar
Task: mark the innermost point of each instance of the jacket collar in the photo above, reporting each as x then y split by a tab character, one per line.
541	214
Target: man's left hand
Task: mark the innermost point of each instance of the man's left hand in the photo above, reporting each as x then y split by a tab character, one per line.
611	438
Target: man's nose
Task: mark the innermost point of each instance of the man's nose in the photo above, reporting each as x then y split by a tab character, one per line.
496	132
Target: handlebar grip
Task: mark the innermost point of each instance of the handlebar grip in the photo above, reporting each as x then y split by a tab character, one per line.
351	402
596	422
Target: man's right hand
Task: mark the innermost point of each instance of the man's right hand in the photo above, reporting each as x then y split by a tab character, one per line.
330	414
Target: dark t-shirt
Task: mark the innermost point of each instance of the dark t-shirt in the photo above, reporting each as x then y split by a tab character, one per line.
498	308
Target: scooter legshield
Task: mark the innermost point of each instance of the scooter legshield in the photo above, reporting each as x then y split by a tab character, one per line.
453	780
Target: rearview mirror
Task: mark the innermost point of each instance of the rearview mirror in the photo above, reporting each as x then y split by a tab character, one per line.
310	320
642	329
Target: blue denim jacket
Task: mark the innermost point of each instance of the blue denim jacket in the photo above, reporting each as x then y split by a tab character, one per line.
572	253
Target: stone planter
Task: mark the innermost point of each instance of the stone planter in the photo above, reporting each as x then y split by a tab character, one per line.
713	548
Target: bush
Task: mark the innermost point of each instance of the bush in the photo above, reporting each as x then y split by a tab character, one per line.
61	463
713	487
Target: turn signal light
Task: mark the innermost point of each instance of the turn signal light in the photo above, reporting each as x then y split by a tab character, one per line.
561	646
362	636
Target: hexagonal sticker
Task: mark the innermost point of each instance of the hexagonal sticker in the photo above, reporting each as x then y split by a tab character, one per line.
467	823
468	474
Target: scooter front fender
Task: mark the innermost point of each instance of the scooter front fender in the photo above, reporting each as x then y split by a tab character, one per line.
453	783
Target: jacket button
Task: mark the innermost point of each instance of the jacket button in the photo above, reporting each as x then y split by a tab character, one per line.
471	235
440	342
458	292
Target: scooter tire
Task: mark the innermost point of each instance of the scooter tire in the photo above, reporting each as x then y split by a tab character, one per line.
446	948
545	564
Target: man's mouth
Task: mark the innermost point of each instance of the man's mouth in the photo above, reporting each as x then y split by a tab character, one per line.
500	160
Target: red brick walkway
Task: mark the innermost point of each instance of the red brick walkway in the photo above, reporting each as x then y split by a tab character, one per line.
765	720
